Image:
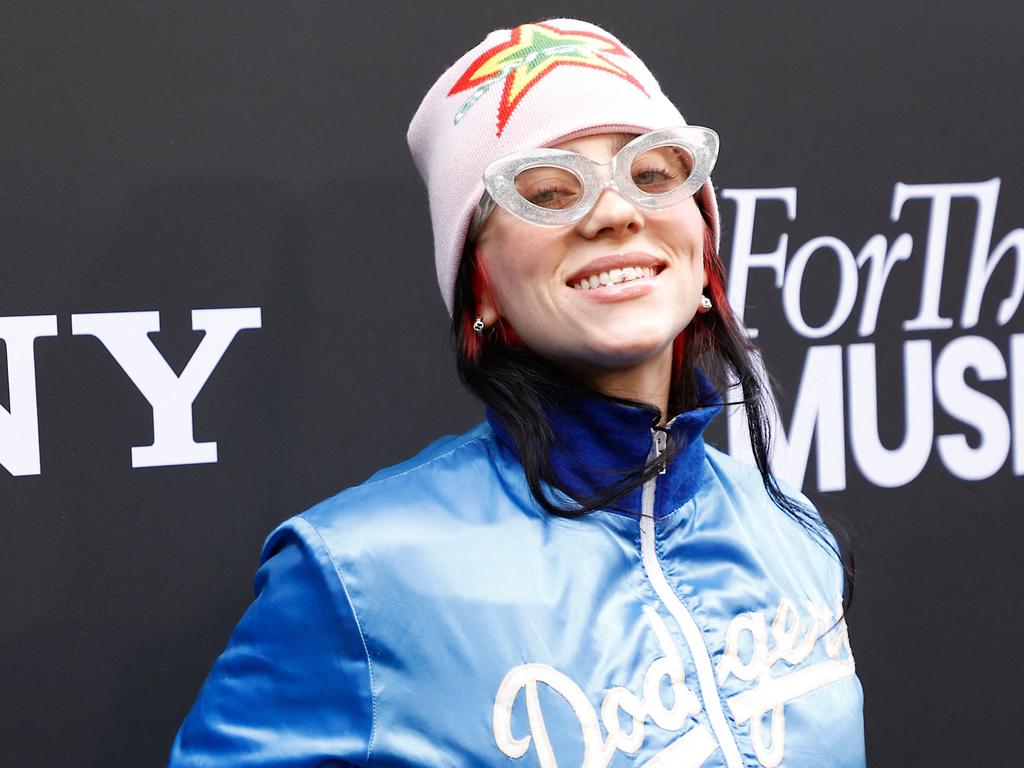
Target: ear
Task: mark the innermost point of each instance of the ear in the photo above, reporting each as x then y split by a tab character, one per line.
486	306
487	310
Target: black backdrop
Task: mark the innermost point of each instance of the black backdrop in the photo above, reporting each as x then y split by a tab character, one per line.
166	157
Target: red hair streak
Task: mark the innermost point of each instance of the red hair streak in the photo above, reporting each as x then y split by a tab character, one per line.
696	334
472	343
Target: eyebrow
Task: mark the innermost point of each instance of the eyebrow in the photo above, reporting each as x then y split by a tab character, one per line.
621	141
618	143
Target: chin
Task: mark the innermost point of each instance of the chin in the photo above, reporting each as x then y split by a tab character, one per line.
626	352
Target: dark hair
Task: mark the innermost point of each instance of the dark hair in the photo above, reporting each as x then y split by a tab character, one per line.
519	386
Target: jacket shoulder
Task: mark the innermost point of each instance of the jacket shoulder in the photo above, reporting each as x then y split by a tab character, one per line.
736	469
745	478
470	441
765	521
425	490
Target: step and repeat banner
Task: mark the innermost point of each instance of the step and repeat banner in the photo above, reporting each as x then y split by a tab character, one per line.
218	306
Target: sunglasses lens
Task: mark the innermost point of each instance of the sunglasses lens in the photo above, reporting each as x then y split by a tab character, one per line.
662	169
548	186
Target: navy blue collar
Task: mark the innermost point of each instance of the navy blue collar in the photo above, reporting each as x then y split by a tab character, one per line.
599	439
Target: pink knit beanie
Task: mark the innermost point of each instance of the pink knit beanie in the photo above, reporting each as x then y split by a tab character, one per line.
523	88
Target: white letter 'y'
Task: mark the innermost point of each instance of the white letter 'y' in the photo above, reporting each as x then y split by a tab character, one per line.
124	334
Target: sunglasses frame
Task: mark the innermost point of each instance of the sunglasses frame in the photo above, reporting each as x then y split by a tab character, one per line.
500	176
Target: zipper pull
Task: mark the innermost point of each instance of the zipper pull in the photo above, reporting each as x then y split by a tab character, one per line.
660	443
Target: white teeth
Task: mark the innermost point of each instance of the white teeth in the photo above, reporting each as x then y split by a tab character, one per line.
613	276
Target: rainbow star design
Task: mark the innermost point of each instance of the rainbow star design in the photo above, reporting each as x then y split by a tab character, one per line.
534	51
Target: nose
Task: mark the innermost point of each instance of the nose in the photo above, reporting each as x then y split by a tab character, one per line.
612	215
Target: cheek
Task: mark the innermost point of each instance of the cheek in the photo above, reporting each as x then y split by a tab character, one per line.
517	265
680	227
502	280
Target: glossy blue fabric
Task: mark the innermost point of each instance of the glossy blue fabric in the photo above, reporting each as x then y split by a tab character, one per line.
436	616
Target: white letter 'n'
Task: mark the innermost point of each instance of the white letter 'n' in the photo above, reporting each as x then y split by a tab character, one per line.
19	427
125	335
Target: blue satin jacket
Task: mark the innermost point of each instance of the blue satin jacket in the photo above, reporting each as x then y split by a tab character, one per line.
436	616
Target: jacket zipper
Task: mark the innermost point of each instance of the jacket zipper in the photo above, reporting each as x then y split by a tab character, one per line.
691	632
660	443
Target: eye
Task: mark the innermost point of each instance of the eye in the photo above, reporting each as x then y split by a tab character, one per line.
549	187
655	180
552	197
662	169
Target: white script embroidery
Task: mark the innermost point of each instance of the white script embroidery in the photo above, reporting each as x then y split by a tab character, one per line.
752	649
689	751
793	643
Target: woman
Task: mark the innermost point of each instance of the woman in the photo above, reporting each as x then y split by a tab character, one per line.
579	580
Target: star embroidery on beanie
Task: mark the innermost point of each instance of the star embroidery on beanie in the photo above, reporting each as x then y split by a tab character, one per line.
534	51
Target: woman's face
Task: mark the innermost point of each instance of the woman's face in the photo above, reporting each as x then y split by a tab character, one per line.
534	274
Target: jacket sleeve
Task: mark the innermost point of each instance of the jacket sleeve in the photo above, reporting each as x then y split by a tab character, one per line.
293	687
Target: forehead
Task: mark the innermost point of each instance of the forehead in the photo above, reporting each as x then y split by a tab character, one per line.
599	146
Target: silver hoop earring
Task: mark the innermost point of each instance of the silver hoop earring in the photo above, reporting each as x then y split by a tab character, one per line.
478	326
705	303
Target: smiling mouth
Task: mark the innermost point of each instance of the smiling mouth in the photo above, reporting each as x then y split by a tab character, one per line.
614	276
